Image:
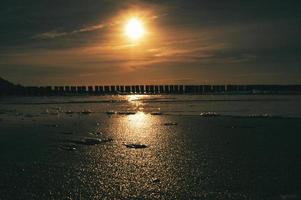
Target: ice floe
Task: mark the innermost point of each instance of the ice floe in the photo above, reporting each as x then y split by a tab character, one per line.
135	145
86	112
69	112
92	141
156	113
95	133
111	112
68	147
121	112
209	114
156	180
170	124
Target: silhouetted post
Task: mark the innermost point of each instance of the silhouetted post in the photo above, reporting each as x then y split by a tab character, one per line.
161	89
176	88
96	89
249	88
207	88
201	89
122	88
166	89
73	89
107	89
181	89
171	89
156	90
90	90
117	88
214	88
137	89
79	89
196	89
56	90
113	89
67	89
101	89
84	89
41	90
256	89
61	90
219	88
133	89
147	88
128	89
141	89
231	88
240	88
152	89
222	88
187	89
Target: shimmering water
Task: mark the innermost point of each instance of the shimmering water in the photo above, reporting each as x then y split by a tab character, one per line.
197	147
231	105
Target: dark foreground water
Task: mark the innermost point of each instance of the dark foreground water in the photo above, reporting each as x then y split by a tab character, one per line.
197	147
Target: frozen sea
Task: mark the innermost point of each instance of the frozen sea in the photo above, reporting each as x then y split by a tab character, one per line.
151	147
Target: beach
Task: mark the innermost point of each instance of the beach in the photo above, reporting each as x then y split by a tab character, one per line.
151	147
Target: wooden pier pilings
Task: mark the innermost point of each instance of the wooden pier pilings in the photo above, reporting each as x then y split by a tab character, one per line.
158	89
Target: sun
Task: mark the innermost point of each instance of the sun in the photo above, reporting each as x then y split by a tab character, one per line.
134	29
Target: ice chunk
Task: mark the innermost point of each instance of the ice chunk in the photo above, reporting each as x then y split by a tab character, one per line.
95	133
92	141
136	146
86	112
156	180
69	112
68	147
170	124
156	113
209	114
111	112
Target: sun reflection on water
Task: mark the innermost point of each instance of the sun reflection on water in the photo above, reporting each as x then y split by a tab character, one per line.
133	97
138	120
139	127
135	100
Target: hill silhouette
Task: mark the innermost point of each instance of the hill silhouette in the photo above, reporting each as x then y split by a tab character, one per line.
8	88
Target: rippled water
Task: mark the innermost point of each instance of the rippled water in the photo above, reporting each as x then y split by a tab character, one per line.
231	105
193	147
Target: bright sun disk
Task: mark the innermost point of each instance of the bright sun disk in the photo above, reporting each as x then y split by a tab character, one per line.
134	29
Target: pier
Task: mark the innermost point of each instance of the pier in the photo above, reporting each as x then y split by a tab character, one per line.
160	89
7	88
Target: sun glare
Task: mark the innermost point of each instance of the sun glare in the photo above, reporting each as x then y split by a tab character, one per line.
134	29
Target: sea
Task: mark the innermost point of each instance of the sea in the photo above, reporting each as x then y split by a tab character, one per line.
150	147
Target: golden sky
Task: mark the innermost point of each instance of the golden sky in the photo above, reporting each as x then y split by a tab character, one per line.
182	42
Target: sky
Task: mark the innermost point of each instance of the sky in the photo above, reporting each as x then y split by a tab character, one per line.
82	42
